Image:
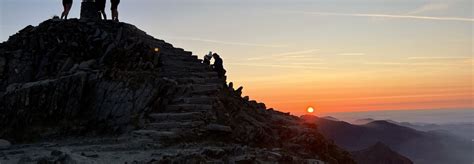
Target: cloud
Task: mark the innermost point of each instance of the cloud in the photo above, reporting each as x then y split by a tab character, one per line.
297	52
437	58
429	7
227	42
287	55
351	54
413	63
291	66
379	97
461	19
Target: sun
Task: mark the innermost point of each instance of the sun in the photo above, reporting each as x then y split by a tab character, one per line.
310	109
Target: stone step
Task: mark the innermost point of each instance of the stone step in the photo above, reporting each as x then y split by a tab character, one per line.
173	52
197	87
179	57
154	134
180	74
187	80
173	125
188	108
194	62
201	89
185	69
176	116
195	100
193	66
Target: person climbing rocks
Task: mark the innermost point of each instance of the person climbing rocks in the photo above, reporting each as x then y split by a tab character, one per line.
114	7
101	8
218	65
67	4
207	58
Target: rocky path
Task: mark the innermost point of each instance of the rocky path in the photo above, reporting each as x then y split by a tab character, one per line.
189	113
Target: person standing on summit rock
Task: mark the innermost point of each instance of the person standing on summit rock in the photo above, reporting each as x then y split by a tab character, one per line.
101	8
67	4
114	7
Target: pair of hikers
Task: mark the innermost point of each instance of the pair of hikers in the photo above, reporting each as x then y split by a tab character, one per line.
218	65
113	8
67	4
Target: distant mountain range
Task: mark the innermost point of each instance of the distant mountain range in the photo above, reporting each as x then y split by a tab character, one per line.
464	130
419	146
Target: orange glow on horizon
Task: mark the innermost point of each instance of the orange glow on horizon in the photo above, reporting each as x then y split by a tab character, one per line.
350	93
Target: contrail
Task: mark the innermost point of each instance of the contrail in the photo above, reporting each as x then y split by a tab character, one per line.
390	16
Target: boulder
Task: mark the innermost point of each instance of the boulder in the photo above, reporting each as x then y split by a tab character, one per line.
4	144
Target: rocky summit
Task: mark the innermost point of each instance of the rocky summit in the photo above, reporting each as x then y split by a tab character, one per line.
78	91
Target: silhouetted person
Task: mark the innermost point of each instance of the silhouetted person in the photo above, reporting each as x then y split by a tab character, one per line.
101	8
207	58
67	4
114	7
218	65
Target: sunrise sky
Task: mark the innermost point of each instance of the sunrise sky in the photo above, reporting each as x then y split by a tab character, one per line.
334	55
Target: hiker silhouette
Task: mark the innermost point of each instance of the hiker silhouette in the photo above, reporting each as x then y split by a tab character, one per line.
207	58
114	9
218	65
67	4
101	8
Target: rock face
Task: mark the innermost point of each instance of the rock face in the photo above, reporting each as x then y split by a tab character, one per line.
4	144
379	153
81	91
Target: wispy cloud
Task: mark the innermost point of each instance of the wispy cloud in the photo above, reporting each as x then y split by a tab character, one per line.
286	55
437	58
429	7
378	97
351	54
227	42
297	52
290	66
462	19
413	63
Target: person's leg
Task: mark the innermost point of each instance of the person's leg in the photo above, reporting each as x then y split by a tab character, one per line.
104	14
116	15
114	6
101	8
67	9
64	11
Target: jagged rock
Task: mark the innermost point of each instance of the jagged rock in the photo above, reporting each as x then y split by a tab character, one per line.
64	80
87	64
219	128
4	144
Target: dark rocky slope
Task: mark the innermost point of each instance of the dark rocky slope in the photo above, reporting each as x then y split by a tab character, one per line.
379	153
104	92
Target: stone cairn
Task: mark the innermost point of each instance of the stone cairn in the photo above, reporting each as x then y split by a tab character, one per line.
89	10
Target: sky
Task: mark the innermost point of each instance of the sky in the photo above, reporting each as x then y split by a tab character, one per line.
336	56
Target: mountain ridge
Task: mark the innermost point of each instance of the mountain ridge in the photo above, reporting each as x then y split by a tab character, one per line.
419	146
87	91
